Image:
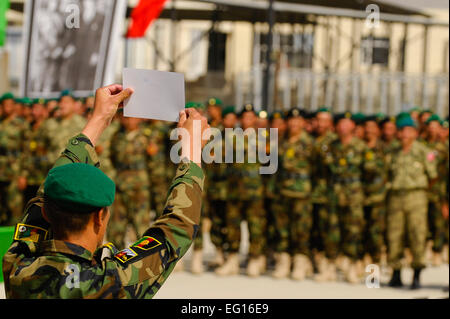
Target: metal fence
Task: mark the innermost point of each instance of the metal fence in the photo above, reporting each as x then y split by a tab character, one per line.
386	92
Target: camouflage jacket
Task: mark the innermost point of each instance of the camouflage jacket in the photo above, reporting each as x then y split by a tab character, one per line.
437	193
216	172
156	132
38	266
375	175
34	161
320	172
244	179
294	178
412	170
11	139
347	164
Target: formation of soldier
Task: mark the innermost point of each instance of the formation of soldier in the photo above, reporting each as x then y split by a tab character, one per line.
350	189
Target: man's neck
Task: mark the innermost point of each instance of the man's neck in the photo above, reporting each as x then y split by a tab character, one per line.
407	147
85	240
372	141
346	139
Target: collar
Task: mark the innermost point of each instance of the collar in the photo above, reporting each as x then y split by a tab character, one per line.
66	248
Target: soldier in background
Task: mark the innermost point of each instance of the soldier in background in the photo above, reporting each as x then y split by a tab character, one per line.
347	159
325	231
12	128
411	169
389	134
358	118
245	202
374	183
436	194
293	218
34	161
129	157
59	129
422	125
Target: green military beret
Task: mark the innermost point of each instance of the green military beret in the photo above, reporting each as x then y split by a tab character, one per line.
370	118
195	105
295	112
79	188
27	101
40	101
228	110
404	121
214	102
7	96
276	115
402	115
340	116
262	114
432	118
323	109
67	92
415	109
444	123
426	111
358	118
248	108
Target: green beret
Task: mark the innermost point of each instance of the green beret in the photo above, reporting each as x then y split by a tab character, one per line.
358	118
415	109
402	115
228	110
295	112
248	108
323	109
370	118
66	93
276	115
444	123
214	102
195	105
426	111
345	115
79	188
432	118
7	96
404	121
27	101
39	101
391	119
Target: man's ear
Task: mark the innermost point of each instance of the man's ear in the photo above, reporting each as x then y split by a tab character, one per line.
97	220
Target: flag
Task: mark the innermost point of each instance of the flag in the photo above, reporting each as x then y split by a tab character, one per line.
142	16
4	6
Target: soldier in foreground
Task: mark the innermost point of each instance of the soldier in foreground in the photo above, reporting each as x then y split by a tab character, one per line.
412	170
56	251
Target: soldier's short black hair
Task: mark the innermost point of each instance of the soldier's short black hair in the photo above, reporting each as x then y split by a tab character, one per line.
64	222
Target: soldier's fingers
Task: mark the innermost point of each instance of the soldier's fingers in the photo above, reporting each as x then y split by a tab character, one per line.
192	113
124	94
182	120
113	89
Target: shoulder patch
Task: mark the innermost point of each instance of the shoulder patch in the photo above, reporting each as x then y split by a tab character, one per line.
125	255
30	233
146	243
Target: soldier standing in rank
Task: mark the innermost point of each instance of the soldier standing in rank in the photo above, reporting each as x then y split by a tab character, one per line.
436	194
347	160
293	221
12	129
34	162
325	232
412	170
245	202
129	157
271	196
374	183
389	134
58	131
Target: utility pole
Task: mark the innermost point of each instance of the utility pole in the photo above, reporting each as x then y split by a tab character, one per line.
269	58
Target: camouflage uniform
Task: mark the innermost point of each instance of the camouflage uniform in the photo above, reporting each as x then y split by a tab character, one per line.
37	266
326	233
34	162
374	184
409	175
347	165
216	194
436	196
293	218
104	144
11	137
245	202
132	204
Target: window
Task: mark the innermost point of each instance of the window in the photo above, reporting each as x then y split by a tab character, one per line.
375	50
